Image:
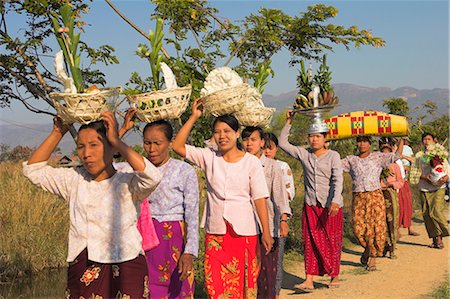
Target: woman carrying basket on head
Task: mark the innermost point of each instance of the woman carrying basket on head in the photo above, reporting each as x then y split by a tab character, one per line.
105	248
174	214
369	208
235	184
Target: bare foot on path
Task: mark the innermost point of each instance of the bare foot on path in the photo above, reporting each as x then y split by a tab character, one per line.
416	272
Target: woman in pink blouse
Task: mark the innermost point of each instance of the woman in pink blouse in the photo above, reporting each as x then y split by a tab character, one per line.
105	253
235	185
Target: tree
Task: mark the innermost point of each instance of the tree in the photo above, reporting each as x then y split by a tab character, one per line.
398	106
253	41
25	75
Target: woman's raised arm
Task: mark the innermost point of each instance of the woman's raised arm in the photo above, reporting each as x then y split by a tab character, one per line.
179	143
43	152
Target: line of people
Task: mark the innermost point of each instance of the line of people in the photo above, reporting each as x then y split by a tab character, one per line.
134	225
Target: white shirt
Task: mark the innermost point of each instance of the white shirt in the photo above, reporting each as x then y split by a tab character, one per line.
288	178
103	215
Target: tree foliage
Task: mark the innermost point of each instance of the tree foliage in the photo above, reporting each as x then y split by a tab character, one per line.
26	75
398	106
248	43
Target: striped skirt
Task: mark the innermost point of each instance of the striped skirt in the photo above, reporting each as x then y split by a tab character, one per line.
322	237
405	205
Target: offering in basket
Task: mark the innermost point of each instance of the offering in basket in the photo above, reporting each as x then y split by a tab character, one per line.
254	113
223	92
76	103
315	91
167	103
84	107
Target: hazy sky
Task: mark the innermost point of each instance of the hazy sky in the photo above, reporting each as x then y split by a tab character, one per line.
416	52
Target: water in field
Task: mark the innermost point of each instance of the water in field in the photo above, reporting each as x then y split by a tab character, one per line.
49	284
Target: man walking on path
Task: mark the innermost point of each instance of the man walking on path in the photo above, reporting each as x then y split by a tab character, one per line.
431	195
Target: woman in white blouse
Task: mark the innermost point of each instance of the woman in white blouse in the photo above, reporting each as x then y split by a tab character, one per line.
235	185
105	247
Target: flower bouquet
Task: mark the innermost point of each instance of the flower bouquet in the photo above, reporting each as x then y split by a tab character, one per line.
434	155
168	103
76	103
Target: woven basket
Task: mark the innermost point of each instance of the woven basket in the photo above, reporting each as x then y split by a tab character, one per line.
226	101
84	108
255	117
161	104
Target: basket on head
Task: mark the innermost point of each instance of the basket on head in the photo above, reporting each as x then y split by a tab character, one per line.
255	117
225	101
161	104
84	108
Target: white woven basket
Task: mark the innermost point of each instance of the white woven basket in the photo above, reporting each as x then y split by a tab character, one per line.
84	108
255	117
225	101
161	104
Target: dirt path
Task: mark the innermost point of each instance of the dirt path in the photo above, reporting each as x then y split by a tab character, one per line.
416	273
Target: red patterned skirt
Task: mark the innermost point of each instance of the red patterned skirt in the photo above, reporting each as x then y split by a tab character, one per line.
231	265
322	237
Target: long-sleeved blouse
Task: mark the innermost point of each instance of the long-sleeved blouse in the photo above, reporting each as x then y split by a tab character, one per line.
323	176
103	215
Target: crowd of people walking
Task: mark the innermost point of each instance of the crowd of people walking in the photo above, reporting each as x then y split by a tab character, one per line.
134	226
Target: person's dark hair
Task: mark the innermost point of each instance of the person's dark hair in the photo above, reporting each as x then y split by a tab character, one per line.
163	125
385	141
425	134
384	146
229	120
364	138
268	138
249	131
98	126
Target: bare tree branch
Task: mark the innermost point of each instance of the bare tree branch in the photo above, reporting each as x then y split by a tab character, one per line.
135	27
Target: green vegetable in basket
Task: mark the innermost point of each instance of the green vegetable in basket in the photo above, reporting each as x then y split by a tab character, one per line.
152	54
262	75
68	42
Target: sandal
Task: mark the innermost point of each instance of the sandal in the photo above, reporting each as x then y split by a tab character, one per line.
436	246
415	234
364	260
334	285
371	268
392	255
304	288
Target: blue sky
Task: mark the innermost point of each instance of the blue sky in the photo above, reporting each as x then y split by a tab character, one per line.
416	52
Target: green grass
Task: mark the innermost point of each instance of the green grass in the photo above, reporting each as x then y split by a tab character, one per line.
442	291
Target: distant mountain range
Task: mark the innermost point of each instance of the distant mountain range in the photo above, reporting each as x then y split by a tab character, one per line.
352	98
355	98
